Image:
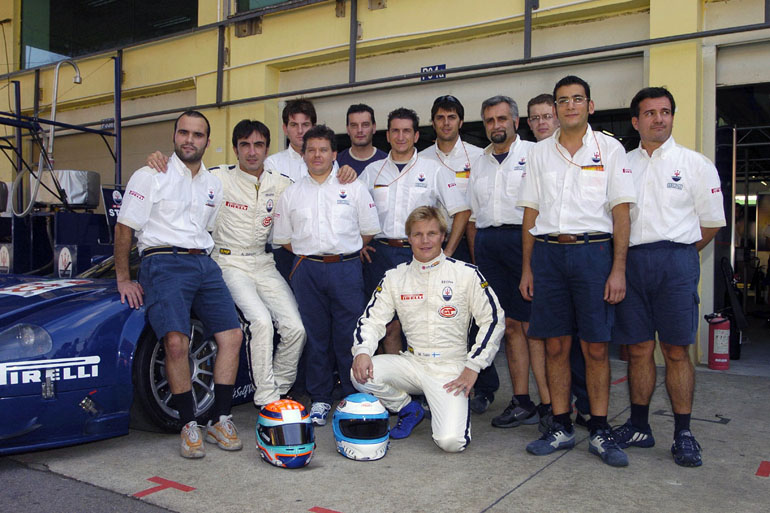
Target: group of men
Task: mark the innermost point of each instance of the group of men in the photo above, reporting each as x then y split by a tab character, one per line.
572	238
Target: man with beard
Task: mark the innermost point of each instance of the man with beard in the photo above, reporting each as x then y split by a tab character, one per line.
172	214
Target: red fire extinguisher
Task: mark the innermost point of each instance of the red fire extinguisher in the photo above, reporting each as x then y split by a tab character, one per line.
719	342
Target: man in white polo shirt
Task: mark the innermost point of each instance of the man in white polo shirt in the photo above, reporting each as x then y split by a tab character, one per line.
172	214
399	184
679	210
326	223
576	195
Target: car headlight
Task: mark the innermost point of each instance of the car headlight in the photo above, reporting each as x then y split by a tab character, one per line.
24	341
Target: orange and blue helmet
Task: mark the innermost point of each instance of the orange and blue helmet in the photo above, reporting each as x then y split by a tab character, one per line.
285	435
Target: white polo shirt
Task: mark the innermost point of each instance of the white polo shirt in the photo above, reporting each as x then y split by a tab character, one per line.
397	193
325	219
287	162
172	208
576	194
494	187
678	192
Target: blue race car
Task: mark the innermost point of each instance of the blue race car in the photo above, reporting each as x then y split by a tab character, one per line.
76	365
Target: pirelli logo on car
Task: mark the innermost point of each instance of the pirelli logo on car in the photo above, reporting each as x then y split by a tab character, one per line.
59	369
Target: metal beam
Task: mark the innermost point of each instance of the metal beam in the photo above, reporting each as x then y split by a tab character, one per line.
118	116
354	41
220	62
529	6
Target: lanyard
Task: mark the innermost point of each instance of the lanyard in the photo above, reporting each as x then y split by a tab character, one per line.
598	150
467	159
401	173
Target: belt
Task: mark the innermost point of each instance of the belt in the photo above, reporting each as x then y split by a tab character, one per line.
331	259
172	250
421	353
396	243
569	238
503	227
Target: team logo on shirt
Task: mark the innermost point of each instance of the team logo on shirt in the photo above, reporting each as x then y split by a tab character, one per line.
522	161
676	176
267	221
447	293
211	194
716	190
409	297
269	205
447	311
236	206
421	177
597	157
467	167
136	195
343	194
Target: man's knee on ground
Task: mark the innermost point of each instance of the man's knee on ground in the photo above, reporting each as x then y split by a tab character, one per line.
451	443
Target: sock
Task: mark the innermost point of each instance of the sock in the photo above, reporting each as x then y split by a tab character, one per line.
640	415
596	423
524	401
681	422
223	400
543	409
565	420
185	406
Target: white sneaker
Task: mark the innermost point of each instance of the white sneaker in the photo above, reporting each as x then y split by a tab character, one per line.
319	412
224	434
192	442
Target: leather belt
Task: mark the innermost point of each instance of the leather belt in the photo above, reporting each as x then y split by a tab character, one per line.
172	250
569	238
331	259
396	243
503	227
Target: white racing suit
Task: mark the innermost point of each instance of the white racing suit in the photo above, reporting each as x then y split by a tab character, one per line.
435	302
242	229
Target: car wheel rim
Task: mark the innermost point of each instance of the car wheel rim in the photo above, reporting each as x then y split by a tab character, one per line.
202	355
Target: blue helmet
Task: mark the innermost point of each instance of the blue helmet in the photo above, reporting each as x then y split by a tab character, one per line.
360	425
285	435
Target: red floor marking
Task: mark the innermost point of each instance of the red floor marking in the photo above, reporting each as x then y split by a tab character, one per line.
319	509
163	484
764	469
620	380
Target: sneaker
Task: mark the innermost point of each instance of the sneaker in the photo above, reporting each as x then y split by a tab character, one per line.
480	403
515	415
686	449
582	419
629	435
408	418
224	434
319	412
604	445
555	439
192	443
546	418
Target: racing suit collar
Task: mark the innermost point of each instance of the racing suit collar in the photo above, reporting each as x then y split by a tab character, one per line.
426	267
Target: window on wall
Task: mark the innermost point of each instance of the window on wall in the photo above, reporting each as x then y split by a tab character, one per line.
55	29
271	5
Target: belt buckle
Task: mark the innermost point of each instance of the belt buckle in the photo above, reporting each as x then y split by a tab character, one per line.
567	238
331	259
195	251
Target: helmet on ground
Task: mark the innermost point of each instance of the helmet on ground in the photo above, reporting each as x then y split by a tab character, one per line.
360	425
285	435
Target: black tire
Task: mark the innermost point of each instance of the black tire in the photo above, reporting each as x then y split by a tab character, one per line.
151	410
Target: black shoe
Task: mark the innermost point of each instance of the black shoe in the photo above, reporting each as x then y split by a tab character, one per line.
515	415
480	403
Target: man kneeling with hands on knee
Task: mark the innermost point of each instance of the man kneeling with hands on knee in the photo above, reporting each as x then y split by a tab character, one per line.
435	298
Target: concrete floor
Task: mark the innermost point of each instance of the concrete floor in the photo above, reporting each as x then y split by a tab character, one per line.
731	421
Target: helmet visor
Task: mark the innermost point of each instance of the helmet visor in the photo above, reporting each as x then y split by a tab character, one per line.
360	429
287	434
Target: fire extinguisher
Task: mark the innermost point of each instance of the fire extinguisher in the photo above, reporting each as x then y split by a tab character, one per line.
719	341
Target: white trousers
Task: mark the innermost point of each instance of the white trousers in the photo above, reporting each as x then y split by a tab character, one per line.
264	298
397	376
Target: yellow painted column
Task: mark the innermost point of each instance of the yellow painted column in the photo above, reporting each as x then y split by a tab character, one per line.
679	68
